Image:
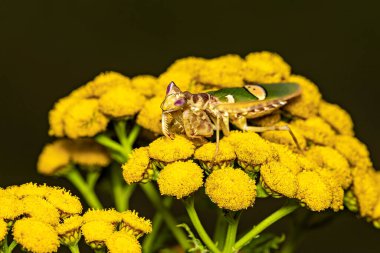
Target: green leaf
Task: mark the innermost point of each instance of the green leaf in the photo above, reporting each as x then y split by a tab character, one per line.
264	243
198	246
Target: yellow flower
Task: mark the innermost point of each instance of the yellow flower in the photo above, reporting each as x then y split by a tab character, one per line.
316	130
170	150
104	82
181	78
137	167
107	215
224	71
135	225
353	150
69	230
288	158
191	65
66	203
336	189
54	157
83	119
307	104
97	232
279	178
145	84
29	189
57	115
231	189
121	102
180	179
89	154
366	190
265	67
314	191
251	150
150	115
284	137
122	242
35	236
268	120
338	118
206	153
10	206
329	158
40	209
3	230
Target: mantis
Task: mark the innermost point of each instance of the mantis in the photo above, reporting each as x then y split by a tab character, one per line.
199	115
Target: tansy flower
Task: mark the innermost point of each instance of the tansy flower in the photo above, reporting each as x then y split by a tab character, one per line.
11	207
314	191
137	167
35	236
57	114
88	153
135	225
279	178
169	150
29	189
180	179
338	118
307	104
265	67
150	115
97	232
54	157
329	158
224	71
145	84
288	158
3	230
336	188
181	78
40	209
268	120
284	137
316	130
69	230
106	81
121	102
353	150
191	65
251	150
122	242
224	158
66	203
231	189
83	119
107	215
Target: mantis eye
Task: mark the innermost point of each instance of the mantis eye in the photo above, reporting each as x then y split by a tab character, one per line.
179	102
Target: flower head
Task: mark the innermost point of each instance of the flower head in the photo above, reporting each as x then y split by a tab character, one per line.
169	150
265	67
316	130
3	229
54	157
353	150
121	102
182	79
123	242
192	65
83	119
306	105
145	84
137	167
97	232
108	215
88	153
231	189
66	203
57	115
206	153
150	115
336	188
338	118
134	224
69	230
11	207
29	189
180	179
104	82
41	210
35	236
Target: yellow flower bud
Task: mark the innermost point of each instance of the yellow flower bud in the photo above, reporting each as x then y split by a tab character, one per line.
3	230
106	81
40	209
145	84
97	232
150	115
107	215
89	154
123	242
54	157
224	158
69	230
137	167
316	130
338	118
135	225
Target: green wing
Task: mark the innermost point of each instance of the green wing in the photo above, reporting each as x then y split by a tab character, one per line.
282	91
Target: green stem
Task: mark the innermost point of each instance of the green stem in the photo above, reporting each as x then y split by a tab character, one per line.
277	215
189	204
133	134
154	197
88	193
231	234
121	132
12	246
107	142
74	248
92	178
156	224
220	230
117	187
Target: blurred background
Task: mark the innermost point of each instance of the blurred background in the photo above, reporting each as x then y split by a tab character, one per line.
48	48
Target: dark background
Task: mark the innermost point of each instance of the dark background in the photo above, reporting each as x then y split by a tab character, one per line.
48	48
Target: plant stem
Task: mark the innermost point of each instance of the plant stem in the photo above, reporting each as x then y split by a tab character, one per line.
107	142
220	230
74	248
156	224
189	204
12	246
154	197
121	132
92	178
288	208
231	235
88	193
133	134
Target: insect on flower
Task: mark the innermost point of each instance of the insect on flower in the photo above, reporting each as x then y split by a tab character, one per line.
199	115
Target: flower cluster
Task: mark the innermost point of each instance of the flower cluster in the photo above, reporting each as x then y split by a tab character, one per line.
41	218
